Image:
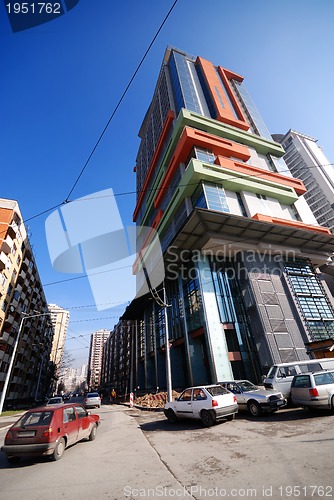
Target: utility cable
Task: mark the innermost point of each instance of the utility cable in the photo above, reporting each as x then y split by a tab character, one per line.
120	100
155	190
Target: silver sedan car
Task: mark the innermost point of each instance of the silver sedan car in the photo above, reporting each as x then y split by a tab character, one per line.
253	399
92	400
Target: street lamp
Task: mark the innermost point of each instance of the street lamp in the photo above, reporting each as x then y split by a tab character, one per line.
9	372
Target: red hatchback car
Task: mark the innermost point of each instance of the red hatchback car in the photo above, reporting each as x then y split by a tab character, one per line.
48	430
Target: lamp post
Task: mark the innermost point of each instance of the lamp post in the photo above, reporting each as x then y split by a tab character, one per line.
9	372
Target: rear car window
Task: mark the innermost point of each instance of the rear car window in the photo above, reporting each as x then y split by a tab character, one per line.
217	390
324	378
35	418
302	381
93	395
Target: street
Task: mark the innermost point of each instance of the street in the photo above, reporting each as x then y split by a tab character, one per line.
139	454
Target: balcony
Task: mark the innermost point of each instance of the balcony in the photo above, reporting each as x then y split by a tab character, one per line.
9	320
25	264
21	277
5	263
7	244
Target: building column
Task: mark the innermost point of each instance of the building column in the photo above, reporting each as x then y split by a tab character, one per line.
218	350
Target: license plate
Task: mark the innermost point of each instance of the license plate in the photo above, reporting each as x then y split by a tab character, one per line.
26	434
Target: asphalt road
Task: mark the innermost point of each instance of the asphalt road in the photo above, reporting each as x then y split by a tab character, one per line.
139	454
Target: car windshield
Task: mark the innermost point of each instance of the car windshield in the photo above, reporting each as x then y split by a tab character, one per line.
35	418
272	371
216	390
246	386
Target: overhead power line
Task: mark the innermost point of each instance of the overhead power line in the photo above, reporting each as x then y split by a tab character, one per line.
120	101
127	193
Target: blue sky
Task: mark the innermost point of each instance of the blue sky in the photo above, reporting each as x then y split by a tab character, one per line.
61	81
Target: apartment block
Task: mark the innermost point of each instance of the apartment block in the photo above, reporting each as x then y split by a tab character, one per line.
59	319
23	312
97	342
307	161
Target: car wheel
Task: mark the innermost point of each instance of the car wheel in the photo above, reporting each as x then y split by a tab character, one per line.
13	460
59	450
332	404
207	418
230	417
254	408
172	418
92	434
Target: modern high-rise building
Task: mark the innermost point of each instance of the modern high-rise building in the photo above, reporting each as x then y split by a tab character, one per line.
241	246
59	320
97	341
23	312
307	161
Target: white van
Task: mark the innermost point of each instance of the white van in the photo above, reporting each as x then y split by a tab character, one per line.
280	376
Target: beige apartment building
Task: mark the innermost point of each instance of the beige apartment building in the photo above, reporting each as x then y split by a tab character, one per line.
97	342
23	313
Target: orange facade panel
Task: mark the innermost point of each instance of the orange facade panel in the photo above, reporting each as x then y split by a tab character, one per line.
293	223
219	86
191	137
296	184
6	215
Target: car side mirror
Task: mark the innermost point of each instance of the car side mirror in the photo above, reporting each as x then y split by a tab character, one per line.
88	413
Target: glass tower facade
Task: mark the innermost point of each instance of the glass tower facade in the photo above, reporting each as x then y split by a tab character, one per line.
241	249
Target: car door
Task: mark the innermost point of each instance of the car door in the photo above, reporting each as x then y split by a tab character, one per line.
71	425
183	405
300	390
83	421
199	402
237	391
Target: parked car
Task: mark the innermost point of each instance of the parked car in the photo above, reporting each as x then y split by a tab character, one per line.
314	390
253	399
280	376
92	400
208	403
48	430
55	401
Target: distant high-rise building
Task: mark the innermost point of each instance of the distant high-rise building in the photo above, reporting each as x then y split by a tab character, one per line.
74	379
59	319
97	341
21	296
241	245
307	161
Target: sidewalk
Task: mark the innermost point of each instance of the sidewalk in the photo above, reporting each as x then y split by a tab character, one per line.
7	421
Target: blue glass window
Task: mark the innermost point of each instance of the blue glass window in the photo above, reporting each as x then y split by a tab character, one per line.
183	87
216	197
311	298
